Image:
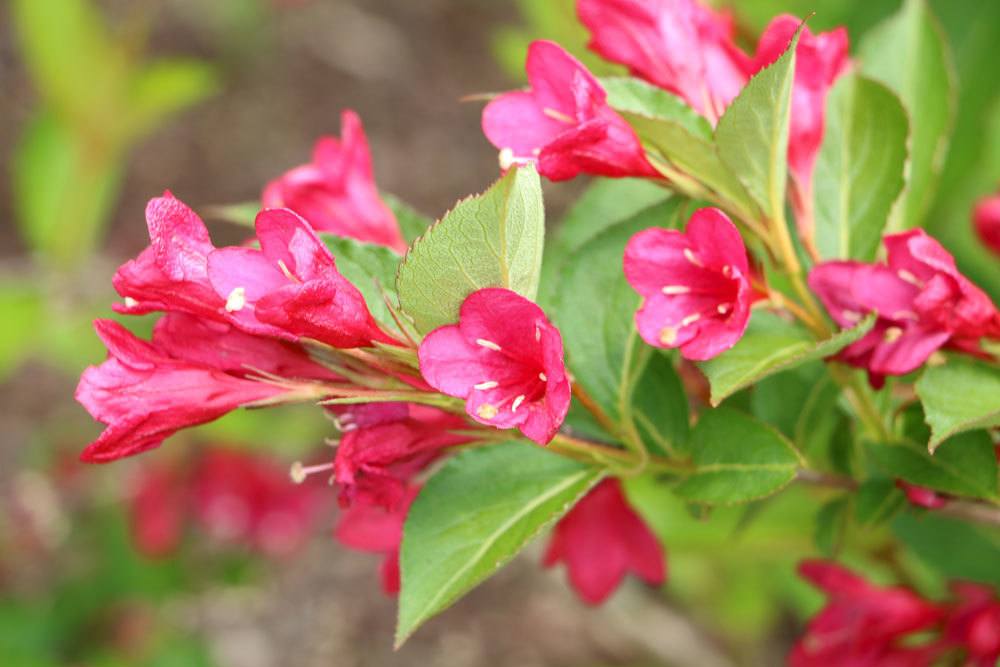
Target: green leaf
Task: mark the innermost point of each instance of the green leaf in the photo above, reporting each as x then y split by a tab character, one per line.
411	222
491	240
22	310
595	311
964	465
693	154
737	459
769	345
473	516
752	135
955	548
908	53
960	395
859	170
370	267
164	88
877	500
635	96
658	406
241	213
831	523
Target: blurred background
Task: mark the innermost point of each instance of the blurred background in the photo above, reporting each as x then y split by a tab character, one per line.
153	561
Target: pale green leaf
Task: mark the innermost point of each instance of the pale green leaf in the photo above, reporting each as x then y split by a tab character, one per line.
411	222
635	96
491	240
909	54
370	267
859	170
769	345
752	135
959	395
737	459
473	516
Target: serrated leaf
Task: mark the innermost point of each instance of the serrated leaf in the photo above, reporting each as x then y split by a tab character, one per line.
752	135
693	154
635	96
411	222
370	267
859	169
769	345
909	54
964	465
737	459
491	240
595	310
961	395
473	516
877	500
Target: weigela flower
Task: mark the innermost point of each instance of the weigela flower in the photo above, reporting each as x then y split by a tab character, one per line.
563	122
679	45
921	496
157	509
336	192
695	285
974	623
505	359
145	395
172	273
291	287
921	299
601	540
373	528
375	462
863	625
819	61
986	218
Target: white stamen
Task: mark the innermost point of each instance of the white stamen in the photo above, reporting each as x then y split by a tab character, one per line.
517	403
236	300
851	316
299	472
486	411
130	302
668	335
675	289
909	277
690	319
690	256
905	315
727	271
558	115
538	333
536	151
506	158
892	334
489	384
284	270
488	344
722	308
543	377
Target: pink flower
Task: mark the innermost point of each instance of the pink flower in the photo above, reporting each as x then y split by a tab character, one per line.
336	192
921	299
372	528
156	510
248	499
563	122
291	288
172	273
695	285
974	623
601	540
505	359
679	45
144	395
374	463
819	61
863	625
921	496
986	217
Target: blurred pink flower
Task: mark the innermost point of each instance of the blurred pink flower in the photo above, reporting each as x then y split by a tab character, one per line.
372	528
986	218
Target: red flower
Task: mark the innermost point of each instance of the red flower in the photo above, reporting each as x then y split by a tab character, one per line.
601	540
145	395
679	45
921	496
336	192
372	528
172	273
157	509
563	122
695	285
505	359
974	623
291	288
863	625
921	299
819	61
986	217
374	463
